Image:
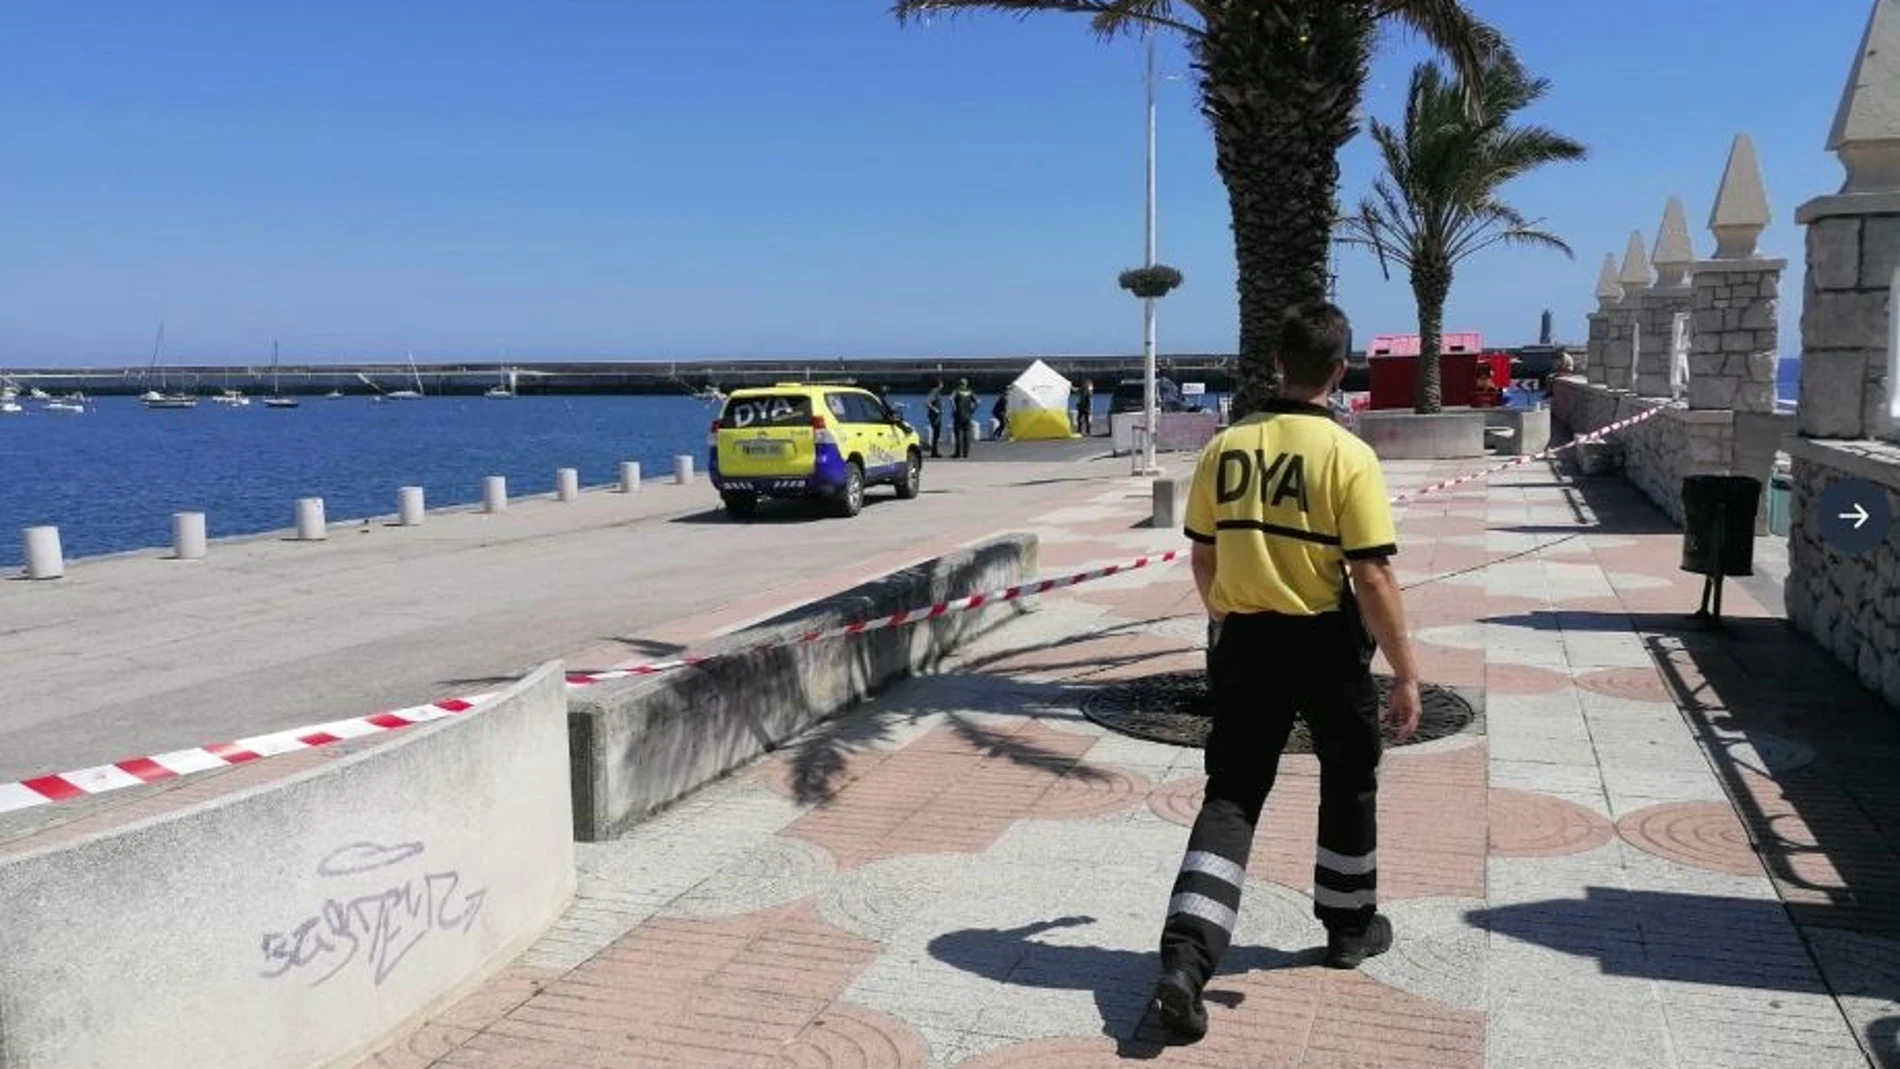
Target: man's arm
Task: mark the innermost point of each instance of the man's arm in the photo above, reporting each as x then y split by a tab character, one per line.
1202	559
1380	603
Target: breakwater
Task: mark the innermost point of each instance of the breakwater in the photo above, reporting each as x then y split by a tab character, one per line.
904	375
605	377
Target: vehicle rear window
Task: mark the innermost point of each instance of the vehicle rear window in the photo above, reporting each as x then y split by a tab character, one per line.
771	410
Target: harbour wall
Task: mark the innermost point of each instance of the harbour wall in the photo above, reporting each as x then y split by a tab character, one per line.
904	375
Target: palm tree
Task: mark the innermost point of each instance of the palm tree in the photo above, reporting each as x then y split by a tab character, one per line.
1280	82
1438	201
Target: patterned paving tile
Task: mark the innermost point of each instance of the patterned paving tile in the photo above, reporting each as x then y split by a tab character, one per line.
1636	684
1705	835
956	789
1523	824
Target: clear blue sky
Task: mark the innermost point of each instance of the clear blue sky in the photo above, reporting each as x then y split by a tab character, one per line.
580	178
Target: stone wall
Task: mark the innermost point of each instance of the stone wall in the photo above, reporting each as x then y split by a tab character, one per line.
1619	348
1659	452
1657	322
1593	351
1848	604
1851	263
1735	342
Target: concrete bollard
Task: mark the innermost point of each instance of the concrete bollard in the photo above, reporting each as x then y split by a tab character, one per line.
409	506
567	484
1170	500
310	525
629	477
44	558
683	469
188	535
495	494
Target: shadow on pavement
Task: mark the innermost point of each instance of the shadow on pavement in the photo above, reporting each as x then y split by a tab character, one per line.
1815	783
1122	981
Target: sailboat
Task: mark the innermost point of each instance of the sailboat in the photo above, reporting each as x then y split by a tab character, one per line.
408	395
504	389
277	398
162	398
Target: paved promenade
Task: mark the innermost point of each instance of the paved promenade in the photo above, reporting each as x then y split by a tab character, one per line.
137	654
1657	846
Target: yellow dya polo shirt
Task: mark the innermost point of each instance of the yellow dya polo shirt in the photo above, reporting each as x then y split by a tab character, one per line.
1287	496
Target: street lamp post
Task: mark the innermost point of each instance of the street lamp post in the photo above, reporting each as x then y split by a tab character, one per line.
1150	402
1150	282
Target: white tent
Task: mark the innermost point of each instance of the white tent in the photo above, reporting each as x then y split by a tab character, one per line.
1039	404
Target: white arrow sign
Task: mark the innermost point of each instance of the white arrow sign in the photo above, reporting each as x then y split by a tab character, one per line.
1859	515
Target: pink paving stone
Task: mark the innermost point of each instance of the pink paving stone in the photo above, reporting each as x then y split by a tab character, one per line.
1524	824
759	990
1522	679
953	791
1703	835
1635	684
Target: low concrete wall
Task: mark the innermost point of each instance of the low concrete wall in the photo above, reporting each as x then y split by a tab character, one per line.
1181	432
640	744
1396	435
1847	603
296	924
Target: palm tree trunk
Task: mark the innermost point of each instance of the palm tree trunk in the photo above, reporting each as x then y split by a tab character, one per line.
1431	287
1279	85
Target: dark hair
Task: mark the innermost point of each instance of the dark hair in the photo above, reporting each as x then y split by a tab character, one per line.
1312	343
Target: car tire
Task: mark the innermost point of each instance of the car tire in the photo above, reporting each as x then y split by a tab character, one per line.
740	506
850	499
913	480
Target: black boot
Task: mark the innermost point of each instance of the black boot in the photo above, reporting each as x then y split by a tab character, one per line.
1179	1001
1346	950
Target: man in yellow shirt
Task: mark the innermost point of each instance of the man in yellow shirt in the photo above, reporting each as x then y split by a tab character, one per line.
1293	536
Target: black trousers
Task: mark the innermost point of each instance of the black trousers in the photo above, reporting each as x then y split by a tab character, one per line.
1264	670
936	433
963	427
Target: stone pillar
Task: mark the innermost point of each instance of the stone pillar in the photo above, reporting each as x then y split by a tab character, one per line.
1669	296
1841	598
1854	251
1736	334
1609	292
1623	336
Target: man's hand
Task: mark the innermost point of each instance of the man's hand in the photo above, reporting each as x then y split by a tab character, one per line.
1404	708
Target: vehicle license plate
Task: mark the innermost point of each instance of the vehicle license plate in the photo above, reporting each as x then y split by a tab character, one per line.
764	449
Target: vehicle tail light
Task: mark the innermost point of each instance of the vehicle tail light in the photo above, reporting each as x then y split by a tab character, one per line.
820	432
712	434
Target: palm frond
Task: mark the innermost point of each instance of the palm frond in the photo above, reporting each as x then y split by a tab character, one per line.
1110	17
1473	45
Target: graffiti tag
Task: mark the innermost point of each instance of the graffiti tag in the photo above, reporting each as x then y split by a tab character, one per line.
378	928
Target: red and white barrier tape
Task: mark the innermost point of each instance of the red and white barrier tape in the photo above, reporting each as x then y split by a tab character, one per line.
132	772
1581	439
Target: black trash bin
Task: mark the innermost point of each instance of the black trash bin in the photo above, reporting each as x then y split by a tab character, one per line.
1718	524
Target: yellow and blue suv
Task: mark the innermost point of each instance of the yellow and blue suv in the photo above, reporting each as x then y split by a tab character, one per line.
800	441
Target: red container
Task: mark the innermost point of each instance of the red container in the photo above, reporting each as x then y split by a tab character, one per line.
1394	378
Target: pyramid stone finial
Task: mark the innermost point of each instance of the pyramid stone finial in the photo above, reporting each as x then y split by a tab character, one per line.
1866	134
1741	204
1674	255
1635	273
1609	289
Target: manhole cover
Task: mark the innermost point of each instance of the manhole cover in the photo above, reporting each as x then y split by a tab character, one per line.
1174	708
